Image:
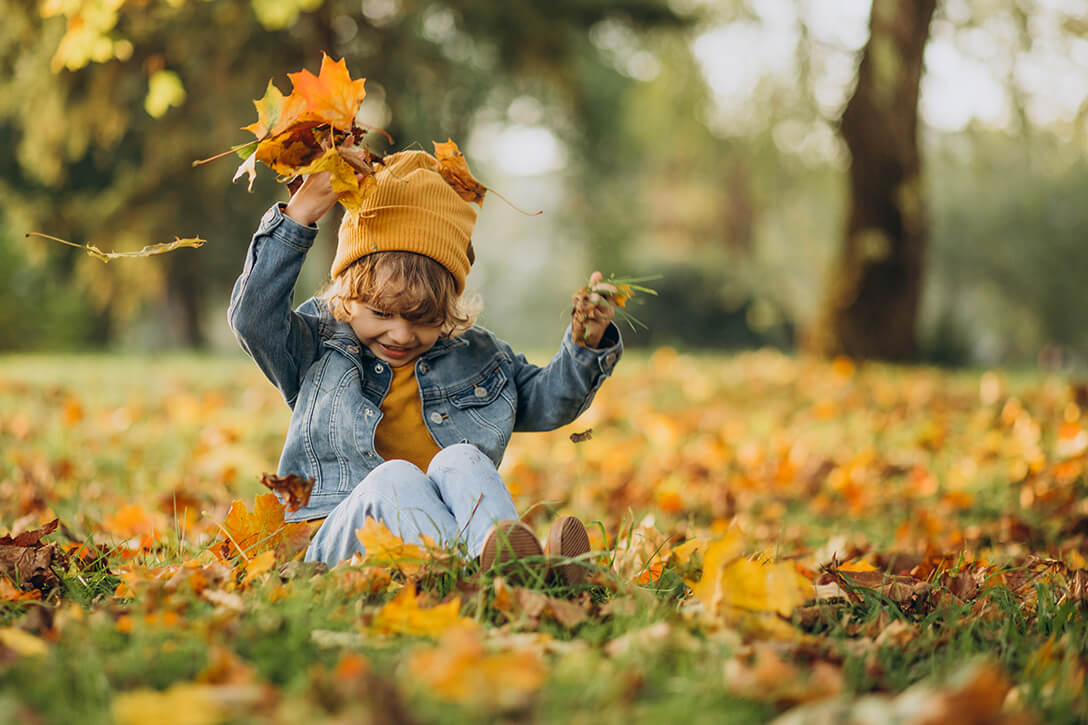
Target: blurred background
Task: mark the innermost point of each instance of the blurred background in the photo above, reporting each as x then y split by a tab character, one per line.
896	179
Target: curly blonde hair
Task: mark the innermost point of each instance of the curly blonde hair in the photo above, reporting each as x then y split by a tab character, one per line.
414	286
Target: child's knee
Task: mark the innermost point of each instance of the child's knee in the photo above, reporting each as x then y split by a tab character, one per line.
460	455
392	480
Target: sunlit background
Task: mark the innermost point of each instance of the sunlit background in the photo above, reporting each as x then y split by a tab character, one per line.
693	139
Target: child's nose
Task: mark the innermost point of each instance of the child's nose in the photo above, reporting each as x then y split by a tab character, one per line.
402	332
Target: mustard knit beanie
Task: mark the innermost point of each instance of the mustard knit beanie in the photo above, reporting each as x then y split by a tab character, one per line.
412	209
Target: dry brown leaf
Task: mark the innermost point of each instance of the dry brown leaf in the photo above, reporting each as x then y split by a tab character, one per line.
293	487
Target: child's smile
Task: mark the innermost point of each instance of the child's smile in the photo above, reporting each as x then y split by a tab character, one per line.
391	337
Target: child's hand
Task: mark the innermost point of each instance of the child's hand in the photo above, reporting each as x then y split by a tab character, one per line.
314	196
593	311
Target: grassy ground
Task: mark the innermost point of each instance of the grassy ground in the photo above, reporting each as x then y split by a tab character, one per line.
774	538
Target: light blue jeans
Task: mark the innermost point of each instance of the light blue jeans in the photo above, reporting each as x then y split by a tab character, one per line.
458	499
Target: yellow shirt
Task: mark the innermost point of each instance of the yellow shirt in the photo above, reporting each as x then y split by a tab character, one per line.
401	432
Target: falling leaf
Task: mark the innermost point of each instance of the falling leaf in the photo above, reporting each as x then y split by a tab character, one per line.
150	250
295	488
454	169
585	435
403	615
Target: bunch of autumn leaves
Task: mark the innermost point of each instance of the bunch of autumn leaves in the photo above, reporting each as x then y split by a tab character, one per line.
304	132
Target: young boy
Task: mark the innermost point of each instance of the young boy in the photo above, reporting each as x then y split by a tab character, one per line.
401	406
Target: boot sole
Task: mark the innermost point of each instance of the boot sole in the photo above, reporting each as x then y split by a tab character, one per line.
568	539
507	541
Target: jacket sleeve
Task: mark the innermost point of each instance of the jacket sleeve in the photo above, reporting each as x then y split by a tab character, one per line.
556	394
283	342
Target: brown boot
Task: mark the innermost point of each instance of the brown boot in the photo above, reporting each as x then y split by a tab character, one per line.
507	541
567	539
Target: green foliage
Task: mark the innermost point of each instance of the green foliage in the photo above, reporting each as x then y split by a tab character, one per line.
101	152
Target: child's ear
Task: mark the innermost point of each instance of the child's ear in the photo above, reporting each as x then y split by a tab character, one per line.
471	254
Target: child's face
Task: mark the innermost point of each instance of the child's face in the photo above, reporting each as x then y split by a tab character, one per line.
389	336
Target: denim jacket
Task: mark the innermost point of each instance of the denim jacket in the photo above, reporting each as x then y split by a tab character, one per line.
473	387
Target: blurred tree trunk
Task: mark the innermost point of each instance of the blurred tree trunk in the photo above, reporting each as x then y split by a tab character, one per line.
872	306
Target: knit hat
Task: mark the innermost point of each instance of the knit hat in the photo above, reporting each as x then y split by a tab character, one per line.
412	209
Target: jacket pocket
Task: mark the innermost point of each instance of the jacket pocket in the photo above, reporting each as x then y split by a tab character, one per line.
484	411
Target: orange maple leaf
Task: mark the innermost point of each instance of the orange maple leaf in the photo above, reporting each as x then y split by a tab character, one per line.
330	97
454	169
262	530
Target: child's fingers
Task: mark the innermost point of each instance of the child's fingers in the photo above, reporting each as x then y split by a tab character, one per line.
604	287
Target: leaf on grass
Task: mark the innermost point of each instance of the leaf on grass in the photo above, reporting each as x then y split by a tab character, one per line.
733	586
293	487
765	675
26	644
527	606
187	703
459	669
976	694
265	529
403	615
837	582
149	250
27	562
454	169
382	546
260	564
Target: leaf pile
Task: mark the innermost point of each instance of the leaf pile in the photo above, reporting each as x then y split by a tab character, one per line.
772	537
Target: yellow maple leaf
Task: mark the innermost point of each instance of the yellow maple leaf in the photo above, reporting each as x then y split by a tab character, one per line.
403	615
740	590
343	177
383	547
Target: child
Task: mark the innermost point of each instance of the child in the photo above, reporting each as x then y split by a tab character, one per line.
401	407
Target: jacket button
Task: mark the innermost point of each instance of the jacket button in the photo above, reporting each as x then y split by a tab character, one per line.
436	418
610	358
479	392
423	368
378	368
